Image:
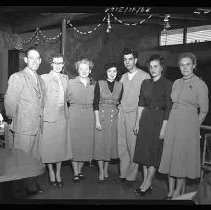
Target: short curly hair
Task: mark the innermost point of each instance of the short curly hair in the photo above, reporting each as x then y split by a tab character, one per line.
56	55
85	61
157	57
128	51
187	55
108	66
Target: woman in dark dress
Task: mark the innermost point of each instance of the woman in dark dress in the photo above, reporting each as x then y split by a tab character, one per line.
153	112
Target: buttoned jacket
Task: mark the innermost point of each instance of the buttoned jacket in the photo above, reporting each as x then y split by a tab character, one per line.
24	101
52	96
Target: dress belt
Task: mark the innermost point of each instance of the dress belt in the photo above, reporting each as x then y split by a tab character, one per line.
82	106
155	108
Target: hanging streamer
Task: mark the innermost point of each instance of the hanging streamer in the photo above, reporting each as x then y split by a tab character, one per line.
36	35
88	32
130	24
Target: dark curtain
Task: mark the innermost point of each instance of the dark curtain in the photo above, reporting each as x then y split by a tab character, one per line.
13	61
102	47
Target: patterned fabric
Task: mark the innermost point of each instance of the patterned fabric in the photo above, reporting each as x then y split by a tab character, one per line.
105	144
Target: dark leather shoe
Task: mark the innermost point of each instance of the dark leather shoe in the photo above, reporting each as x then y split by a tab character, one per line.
53	184
30	193
106	178
81	176
76	179
40	191
141	193
167	198
59	184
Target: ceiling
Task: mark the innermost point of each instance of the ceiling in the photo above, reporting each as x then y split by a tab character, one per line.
24	19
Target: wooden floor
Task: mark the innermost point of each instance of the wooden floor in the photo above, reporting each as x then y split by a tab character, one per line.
90	191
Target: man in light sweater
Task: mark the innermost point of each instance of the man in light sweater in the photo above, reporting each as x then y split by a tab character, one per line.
131	81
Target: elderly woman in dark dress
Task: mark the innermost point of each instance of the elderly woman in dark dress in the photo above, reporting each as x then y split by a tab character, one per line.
106	99
181	150
153	111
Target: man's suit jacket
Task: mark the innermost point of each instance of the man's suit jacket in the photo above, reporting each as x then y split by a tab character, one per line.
24	102
52	96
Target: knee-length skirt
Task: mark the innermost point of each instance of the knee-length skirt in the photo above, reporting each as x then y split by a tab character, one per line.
181	151
55	144
105	141
148	148
81	132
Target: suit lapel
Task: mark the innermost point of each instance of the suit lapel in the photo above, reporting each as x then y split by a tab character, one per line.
39	84
32	81
63	81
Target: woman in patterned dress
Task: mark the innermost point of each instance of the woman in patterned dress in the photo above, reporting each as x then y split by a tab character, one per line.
106	99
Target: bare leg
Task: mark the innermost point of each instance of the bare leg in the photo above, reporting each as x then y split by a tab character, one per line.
106	164
183	188
101	169
150	175
179	187
145	176
51	172
75	168
171	186
80	166
58	171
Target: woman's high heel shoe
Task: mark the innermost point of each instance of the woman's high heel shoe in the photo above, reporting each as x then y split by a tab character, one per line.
52	183
60	184
81	176
76	179
141	193
168	198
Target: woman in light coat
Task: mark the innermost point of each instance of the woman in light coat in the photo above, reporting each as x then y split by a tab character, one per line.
55	147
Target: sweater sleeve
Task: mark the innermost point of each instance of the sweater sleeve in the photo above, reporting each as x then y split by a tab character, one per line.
96	96
168	104
141	101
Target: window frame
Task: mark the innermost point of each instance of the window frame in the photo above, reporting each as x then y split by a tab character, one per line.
185	29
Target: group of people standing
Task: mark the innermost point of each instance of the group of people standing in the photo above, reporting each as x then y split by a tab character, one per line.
143	119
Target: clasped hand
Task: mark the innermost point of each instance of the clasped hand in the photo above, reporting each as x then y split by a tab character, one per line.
98	126
136	129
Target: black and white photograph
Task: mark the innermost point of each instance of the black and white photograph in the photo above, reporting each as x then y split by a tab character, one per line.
105	105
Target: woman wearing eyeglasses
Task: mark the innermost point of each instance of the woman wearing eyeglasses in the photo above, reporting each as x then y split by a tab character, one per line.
55	146
181	150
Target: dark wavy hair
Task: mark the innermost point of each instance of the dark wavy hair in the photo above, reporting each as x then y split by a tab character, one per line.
128	51
108	66
56	55
158	58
